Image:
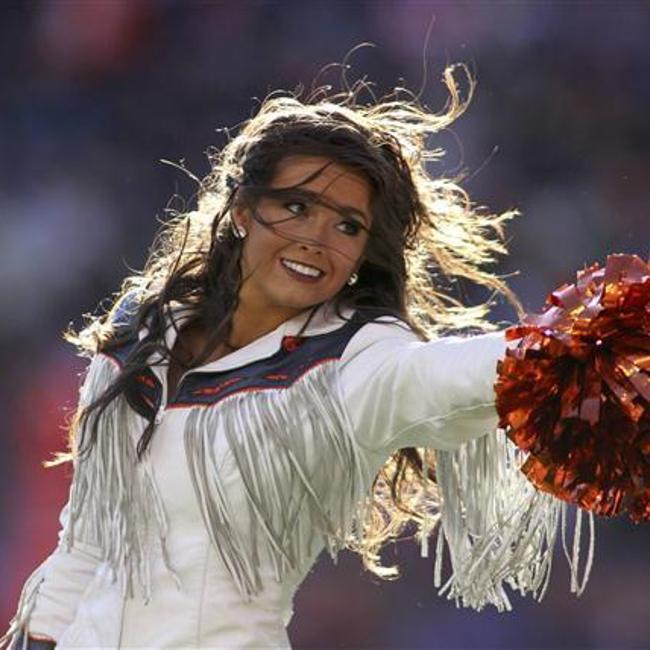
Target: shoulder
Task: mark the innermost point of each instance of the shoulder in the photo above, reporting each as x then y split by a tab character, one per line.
125	310
380	333
126	328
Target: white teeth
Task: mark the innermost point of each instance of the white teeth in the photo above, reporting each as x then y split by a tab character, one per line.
301	268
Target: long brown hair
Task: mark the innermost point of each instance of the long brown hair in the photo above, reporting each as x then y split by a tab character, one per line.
426	234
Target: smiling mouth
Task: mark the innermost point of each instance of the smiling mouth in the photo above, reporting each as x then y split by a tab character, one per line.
302	271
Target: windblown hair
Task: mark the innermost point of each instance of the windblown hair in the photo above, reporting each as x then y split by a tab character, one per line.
426	236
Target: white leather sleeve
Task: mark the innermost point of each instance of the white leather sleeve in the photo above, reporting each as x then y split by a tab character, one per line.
51	594
401	392
57	586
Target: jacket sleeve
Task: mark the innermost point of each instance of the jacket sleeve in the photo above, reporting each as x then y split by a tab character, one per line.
403	392
497	532
51	594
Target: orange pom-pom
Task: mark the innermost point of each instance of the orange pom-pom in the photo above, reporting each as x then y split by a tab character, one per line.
575	391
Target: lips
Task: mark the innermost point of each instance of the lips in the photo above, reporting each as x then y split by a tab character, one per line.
297	275
305	264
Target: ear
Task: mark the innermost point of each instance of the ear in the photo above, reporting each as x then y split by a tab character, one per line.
240	216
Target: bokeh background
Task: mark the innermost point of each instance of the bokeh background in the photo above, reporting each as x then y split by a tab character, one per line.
96	93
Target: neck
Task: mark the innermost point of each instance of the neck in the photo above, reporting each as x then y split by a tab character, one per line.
249	323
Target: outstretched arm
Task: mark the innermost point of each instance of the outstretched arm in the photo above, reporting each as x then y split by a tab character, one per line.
401	391
497	529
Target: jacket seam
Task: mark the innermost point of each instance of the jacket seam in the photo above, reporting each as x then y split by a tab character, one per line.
204	582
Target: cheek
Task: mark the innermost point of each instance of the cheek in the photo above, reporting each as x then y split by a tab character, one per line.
260	248
348	259
344	269
355	255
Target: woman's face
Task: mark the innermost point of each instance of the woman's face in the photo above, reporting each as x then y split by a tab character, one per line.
312	237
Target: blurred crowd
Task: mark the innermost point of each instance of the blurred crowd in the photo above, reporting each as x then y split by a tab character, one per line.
96	93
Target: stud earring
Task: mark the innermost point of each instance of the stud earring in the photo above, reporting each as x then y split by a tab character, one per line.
353	279
240	232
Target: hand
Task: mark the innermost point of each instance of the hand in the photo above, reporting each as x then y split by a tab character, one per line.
34	642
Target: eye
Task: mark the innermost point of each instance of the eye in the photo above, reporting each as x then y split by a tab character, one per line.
350	227
297	208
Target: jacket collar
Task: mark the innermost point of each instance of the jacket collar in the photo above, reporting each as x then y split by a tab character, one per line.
324	319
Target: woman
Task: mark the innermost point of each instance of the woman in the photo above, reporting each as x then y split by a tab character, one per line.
274	383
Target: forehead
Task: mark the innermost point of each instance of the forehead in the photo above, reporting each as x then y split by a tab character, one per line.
334	181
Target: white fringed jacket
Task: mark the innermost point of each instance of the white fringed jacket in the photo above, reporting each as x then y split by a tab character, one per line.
263	459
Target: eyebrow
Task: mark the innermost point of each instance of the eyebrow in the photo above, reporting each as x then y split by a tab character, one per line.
348	209
355	212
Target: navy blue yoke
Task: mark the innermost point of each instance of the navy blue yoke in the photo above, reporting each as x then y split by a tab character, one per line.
296	356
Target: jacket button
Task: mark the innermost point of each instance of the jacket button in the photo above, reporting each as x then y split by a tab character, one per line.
291	343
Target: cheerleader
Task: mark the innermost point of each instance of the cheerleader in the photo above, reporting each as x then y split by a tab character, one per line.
288	375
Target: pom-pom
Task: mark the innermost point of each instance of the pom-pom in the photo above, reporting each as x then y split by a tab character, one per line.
574	392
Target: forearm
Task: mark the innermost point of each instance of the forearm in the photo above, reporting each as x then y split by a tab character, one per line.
51	595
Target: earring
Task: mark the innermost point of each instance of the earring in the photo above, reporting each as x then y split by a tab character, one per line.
240	232
353	279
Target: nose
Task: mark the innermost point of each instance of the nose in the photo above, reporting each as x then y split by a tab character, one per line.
310	246
315	234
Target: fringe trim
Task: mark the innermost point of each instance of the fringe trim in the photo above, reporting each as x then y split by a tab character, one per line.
114	503
289	448
280	458
19	623
498	529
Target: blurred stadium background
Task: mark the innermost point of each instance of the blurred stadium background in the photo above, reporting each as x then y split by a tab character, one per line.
96	93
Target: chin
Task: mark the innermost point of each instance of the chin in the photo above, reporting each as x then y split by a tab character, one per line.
302	302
